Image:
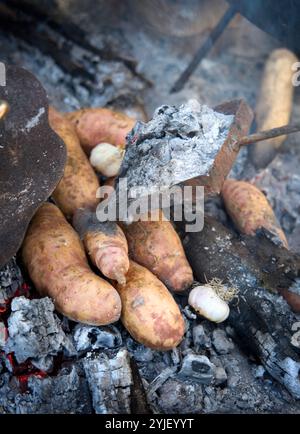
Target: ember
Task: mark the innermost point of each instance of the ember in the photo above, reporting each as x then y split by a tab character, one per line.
209	321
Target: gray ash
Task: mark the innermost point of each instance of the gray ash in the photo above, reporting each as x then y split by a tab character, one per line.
175	145
11	280
35	333
280	181
65	393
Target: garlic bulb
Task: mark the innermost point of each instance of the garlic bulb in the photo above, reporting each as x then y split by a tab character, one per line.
106	159
207	303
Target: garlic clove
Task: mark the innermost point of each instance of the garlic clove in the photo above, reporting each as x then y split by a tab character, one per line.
106	159
205	301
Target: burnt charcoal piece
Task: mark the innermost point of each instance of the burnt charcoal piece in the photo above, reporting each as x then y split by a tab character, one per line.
32	157
87	338
10	280
35	333
260	323
139	401
244	262
110	381
261	319
197	368
66	393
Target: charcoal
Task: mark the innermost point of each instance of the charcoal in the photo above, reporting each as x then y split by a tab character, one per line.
295	340
160	380
65	393
10	280
221	343
197	368
179	397
220	376
110	380
201	339
139	351
259	371
35	333
87	338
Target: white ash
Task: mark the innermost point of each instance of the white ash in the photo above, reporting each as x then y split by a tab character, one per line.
87	338
10	280
110	381
295	339
175	145
35	333
295	287
221	343
66	393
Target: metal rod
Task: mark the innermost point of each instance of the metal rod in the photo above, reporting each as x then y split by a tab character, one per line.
268	134
204	49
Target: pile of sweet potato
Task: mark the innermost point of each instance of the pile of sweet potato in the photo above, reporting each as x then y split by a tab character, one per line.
62	236
98	272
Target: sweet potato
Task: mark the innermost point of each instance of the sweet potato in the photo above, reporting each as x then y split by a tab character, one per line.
56	262
79	183
249	209
98	125
275	102
105	243
149	311
156	246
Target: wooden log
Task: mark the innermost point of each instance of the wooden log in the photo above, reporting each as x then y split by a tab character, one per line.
262	319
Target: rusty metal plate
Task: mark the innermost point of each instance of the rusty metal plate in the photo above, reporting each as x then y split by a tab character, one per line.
32	157
243	117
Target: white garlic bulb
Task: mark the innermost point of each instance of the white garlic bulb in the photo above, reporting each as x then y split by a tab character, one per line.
207	303
106	159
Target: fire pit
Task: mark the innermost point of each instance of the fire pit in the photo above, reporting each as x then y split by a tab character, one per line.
249	363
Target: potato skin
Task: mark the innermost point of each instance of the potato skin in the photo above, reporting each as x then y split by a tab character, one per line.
149	312
105	243
249	209
97	125
157	246
56	262
79	183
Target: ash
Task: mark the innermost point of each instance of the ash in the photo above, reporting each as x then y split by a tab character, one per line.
280	181
175	145
10	280
207	373
35	333
66	393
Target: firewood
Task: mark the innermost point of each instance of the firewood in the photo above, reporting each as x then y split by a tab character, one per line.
254	265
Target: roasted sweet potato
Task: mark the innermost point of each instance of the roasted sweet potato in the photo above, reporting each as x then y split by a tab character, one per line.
249	209
105	243
275	102
79	183
98	125
156	246
56	262
149	311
